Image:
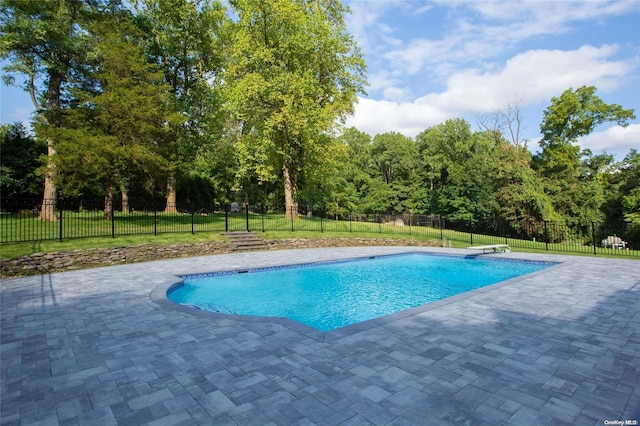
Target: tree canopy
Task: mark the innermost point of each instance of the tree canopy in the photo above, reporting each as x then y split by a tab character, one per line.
44	43
291	71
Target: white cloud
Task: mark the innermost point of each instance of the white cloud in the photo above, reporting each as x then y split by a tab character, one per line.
395	94
614	140
483	30
555	13
534	76
408	118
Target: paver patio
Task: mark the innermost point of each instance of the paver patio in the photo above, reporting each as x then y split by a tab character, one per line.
104	346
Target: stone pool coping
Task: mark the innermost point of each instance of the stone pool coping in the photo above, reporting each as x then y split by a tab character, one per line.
559	346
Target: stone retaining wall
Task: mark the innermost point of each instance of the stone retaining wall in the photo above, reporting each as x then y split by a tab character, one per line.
79	259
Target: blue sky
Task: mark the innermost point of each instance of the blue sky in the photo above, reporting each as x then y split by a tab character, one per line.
433	60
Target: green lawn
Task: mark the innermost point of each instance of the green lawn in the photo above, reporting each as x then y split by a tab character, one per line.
85	230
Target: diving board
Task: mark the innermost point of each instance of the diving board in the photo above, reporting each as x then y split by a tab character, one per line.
492	248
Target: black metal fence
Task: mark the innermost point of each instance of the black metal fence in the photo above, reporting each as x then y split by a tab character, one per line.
20	222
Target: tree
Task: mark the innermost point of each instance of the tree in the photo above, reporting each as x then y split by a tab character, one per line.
357	173
519	189
622	197
19	160
440	147
121	122
507	120
576	113
397	160
216	160
185	43
322	184
460	171
291	71
630	188
43	41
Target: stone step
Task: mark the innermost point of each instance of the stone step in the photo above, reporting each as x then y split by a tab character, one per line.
245	241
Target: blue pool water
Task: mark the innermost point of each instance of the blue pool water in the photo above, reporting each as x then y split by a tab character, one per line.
333	295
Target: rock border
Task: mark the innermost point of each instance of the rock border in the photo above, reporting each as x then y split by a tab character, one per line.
39	263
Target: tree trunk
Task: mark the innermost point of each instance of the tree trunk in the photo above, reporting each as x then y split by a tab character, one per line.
291	207
108	199
48	210
125	201
171	194
309	207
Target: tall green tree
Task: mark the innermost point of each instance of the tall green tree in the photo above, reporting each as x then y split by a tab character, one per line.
122	122
630	189
356	173
622	197
43	41
575	114
185	42
460	171
519	189
441	147
322	184
397	161
291	71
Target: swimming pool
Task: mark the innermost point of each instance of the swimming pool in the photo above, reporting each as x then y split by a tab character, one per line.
336	294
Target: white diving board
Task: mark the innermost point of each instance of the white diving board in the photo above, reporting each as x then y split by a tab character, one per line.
495	248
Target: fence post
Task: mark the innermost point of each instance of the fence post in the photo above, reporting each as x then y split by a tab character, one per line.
593	237
410	220
441	226
379	223
321	227
350	229
113	220
226	218
193	218
291	218
246	214
546	236
262	217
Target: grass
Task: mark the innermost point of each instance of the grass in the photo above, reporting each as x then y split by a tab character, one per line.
85	230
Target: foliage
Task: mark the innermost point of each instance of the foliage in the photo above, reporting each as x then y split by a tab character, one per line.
395	157
291	70
44	42
568	179
184	40
196	189
122	119
19	160
457	171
